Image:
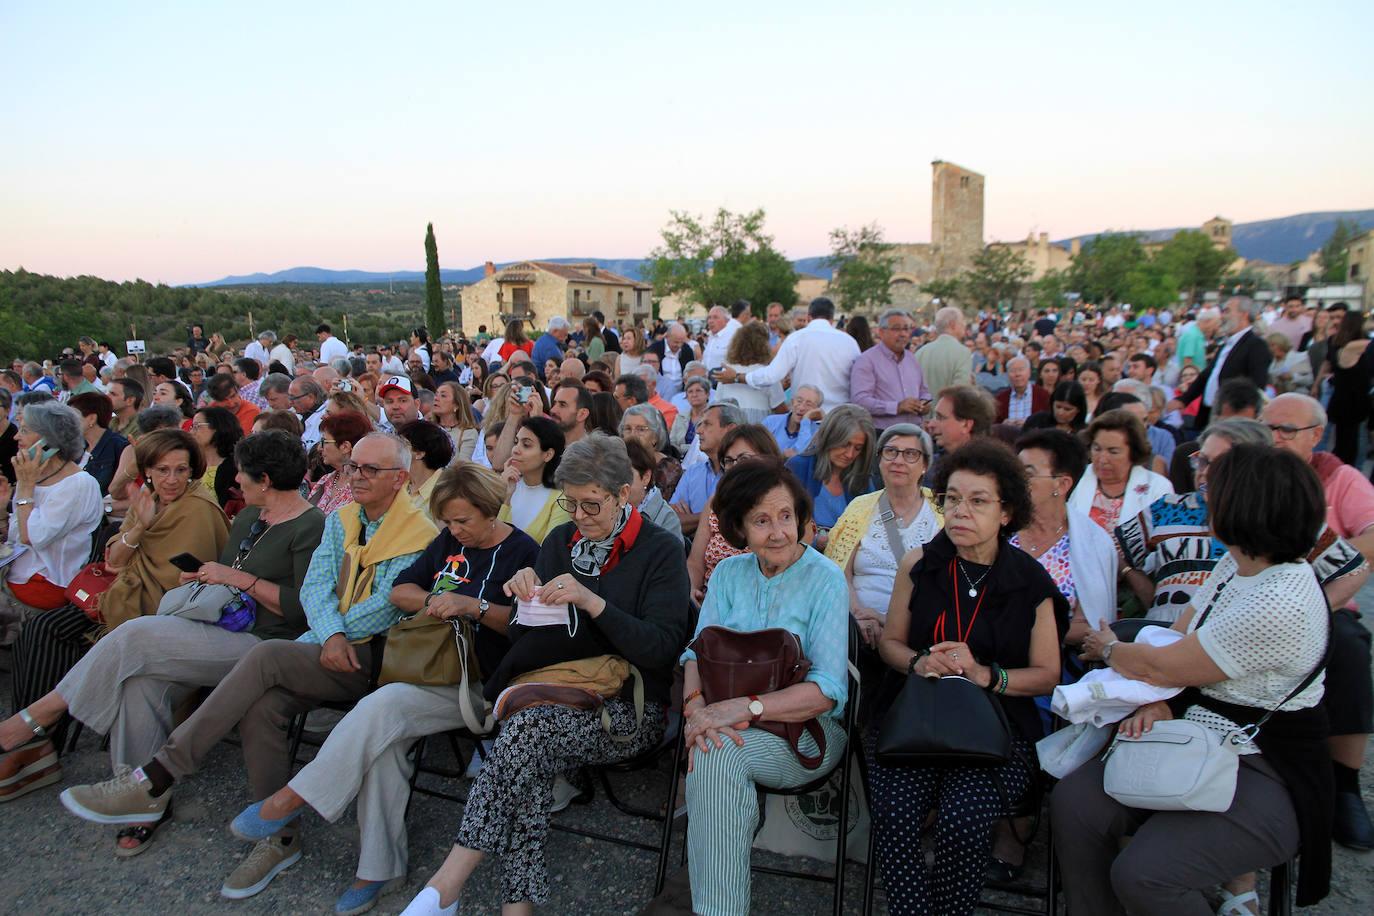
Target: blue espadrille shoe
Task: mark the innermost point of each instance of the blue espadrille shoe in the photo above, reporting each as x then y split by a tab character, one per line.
250	826
361	899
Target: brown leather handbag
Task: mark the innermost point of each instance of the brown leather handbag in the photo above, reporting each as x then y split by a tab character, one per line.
733	663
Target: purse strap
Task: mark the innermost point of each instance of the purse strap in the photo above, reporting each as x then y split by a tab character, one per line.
477	724
888	517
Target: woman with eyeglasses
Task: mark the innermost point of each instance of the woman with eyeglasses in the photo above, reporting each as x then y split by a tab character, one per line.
862	541
645	423
975	607
339	433
1117	484
709	546
626	583
838	463
217	431
169	514
531	500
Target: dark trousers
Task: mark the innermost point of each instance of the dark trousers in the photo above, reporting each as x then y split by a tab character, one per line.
1172	855
49	644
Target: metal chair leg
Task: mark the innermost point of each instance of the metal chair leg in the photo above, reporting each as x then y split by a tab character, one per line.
666	841
842	842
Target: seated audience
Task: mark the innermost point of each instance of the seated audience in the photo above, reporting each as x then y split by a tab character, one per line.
1117	485
644	495
453	412
1008	643
217	431
104	444
627	583
431	450
793	430
531	502
1068	410
838	464
644	423
709	546
779	582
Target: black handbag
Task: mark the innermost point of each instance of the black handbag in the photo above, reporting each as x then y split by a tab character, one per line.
946	721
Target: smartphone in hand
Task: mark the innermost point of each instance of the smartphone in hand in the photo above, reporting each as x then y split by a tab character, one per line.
187	563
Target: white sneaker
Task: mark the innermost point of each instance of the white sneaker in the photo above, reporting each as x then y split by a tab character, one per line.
426	903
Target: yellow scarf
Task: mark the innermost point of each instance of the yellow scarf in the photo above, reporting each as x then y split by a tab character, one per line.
404	529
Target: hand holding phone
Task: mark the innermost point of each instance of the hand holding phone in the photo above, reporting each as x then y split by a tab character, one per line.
186	563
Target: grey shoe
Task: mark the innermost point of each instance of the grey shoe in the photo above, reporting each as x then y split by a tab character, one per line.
269	858
123	799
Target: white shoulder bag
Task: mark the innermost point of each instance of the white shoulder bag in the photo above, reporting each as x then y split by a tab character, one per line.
1179	765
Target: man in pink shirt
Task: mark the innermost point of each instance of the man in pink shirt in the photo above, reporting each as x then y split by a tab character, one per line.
1297	422
886	380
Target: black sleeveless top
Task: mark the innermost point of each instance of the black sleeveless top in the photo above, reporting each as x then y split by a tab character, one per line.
1014	587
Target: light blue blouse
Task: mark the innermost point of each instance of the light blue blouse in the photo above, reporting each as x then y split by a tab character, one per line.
809	598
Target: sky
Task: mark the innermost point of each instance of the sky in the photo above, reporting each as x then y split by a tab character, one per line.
181	142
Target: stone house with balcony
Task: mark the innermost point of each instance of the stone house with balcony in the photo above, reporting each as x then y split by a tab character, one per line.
535	291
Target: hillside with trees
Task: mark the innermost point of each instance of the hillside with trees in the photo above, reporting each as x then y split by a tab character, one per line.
40	314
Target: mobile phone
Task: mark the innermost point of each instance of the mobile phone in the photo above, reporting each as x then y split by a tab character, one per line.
523	392
46	452
186	563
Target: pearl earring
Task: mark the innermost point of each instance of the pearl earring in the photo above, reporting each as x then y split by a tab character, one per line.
1056	494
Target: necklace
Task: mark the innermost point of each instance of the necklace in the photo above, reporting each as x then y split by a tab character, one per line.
59	470
973	586
1120	495
1036	551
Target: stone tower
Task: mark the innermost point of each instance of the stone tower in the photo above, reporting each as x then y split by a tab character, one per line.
956	217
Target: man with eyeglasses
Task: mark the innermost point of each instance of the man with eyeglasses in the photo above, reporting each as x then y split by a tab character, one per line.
346	598
699	481
307	400
886	380
1297	423
793	430
961	414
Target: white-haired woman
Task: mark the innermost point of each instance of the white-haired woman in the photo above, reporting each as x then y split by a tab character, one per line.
645	423
627	583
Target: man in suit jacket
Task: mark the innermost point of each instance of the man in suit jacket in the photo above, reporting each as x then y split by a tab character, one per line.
945	362
674	353
1027	398
1244	354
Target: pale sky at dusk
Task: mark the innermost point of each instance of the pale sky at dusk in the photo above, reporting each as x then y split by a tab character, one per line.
182	142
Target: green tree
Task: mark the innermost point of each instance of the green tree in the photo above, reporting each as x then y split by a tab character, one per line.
1048	292
1333	258
862	263
1194	262
1101	272
949	290
1149	285
719	262
996	278
434	291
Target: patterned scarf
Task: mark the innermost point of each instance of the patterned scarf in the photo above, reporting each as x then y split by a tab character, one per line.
592	558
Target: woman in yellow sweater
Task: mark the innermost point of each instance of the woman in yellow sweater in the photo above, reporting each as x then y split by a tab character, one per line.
531	501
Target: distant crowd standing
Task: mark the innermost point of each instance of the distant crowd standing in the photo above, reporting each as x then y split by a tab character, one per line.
227	537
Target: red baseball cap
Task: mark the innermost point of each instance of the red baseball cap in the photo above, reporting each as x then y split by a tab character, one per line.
397	382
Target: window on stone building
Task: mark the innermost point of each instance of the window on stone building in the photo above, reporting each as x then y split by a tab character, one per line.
963	181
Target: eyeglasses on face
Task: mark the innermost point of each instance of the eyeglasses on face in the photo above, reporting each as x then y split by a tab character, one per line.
589	507
949	503
1289	433
368	471
1199	462
730	461
908	455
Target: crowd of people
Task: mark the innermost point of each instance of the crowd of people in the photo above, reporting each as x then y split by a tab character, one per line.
225	538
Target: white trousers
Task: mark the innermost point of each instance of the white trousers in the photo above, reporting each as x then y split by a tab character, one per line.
365	757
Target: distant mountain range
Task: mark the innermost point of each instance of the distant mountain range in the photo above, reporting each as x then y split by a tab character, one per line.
1280	241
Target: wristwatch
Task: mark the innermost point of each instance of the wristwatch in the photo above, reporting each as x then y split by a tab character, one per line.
755	708
911	665
483	605
23	502
1107	652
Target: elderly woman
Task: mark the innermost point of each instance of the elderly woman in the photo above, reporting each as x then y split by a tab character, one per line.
643	494
1008	642
709	545
749	350
645	423
1290	370
453	412
779	582
838	463
56	507
1068	410
130	683
1235	665
697	391
626	582
339	433
532	503
104	444
171	514
1117	485
217	431
1079	556
878	529
431	450
459	576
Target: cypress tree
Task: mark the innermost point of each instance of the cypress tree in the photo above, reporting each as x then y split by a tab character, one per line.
434	292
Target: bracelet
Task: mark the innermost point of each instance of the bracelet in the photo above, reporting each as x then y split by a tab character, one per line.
1002	678
428	599
689	698
126	543
249	589
911	664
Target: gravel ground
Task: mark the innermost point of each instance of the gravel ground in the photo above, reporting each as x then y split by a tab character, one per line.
63	865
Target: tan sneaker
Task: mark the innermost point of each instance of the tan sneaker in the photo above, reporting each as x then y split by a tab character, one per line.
269	858
121	800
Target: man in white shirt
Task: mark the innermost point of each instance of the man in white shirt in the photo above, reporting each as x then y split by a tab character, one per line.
331	347
817	355
258	349
307	399
281	353
674	353
722	328
391	363
492	352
